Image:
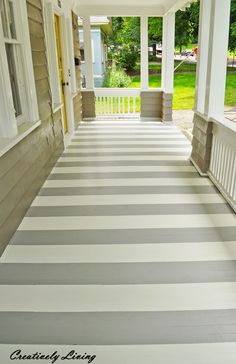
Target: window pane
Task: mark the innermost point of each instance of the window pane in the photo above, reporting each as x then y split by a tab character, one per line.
13	79
11	20
4	18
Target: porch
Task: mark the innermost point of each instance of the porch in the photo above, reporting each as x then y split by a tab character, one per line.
126	250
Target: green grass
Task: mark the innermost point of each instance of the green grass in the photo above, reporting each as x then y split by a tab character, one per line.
185	89
156	67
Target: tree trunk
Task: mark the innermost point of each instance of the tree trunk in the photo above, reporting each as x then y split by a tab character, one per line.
154	49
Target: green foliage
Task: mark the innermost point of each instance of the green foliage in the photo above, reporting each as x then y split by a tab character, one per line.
152	58
186	25
232	32
124	42
116	78
155	29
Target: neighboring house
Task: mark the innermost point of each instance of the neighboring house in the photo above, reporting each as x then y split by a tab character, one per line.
100	28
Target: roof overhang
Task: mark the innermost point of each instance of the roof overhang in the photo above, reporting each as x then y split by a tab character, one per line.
131	8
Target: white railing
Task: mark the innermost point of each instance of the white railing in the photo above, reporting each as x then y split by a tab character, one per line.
223	162
117	101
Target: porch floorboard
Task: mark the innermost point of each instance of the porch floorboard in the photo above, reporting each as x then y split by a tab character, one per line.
126	251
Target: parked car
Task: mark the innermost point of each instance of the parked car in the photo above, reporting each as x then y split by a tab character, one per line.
187	53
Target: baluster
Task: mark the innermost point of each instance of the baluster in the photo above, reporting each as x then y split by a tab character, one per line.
128	104
105	105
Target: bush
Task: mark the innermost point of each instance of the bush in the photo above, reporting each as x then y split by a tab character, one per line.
128	58
152	58
116	78
125	56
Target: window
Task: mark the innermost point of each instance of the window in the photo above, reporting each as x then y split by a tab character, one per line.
13	49
16	69
82	53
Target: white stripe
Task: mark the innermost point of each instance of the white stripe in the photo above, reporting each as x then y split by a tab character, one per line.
123	169
124	131
118	298
127	199
129	142
128	123
129	136
216	353
127	222
127	126
128	182
186	149
123	253
66	158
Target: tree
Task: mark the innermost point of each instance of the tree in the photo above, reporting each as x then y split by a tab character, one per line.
232	31
154	32
186	25
124	42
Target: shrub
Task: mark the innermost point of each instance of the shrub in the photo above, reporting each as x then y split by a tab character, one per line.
116	78
152	58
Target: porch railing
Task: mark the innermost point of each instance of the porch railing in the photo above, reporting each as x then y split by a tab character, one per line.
223	162
117	102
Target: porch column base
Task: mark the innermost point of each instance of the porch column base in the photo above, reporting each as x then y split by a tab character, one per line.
167	110
88	105
151	104
201	143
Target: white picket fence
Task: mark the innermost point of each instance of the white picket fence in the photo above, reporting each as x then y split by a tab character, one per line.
223	162
121	102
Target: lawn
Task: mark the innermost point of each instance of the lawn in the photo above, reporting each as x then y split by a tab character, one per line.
185	89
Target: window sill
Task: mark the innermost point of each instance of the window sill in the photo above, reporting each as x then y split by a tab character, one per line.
57	107
23	130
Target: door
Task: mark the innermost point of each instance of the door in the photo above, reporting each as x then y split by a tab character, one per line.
60	71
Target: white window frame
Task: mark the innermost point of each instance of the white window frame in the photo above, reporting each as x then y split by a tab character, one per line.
51	50
8	120
73	83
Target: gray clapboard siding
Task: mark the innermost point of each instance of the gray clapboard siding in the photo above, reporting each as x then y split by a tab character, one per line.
25	167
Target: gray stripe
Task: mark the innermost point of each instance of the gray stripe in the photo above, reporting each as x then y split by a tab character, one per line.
118	328
141	146
123	163
125	236
102	139
115	210
111	154
73	191
117	273
104	175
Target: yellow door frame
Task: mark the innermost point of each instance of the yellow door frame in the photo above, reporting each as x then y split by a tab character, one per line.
61	75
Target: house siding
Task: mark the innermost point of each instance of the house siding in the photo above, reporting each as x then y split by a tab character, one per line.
24	168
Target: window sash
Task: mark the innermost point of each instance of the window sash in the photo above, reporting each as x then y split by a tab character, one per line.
22	56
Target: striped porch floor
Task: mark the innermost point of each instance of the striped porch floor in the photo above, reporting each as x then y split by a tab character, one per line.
126	253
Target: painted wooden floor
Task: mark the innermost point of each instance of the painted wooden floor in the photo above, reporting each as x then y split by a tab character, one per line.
126	252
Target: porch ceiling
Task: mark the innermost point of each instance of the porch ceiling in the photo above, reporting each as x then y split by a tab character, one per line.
129	8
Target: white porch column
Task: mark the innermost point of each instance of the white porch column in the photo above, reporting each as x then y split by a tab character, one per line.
167	75
202	62
217	58
211	77
168	51
88	54
212	58
144	52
